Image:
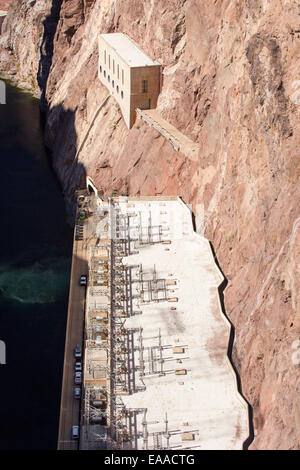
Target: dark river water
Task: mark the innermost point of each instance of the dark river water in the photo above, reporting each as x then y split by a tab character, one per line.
35	260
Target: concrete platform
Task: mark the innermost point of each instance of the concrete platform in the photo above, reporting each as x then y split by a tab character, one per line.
156	338
197	389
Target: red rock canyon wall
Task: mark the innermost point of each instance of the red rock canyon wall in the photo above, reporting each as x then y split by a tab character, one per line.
230	83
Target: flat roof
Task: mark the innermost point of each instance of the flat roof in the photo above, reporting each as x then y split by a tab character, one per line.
128	50
180	388
186	331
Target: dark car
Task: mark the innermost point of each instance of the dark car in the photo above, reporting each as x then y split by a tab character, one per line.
78	378
77	351
77	393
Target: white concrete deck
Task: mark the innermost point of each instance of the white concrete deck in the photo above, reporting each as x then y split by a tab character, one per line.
205	401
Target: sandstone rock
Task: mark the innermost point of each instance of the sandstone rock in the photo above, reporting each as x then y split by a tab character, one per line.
4	4
229	83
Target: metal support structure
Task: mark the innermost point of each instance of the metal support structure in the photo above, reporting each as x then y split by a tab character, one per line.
121	284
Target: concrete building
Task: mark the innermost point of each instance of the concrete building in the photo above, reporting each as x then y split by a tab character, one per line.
129	74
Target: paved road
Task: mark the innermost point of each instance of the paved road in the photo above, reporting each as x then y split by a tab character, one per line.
69	411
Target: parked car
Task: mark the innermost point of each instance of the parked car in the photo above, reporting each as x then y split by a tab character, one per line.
78	366
83	280
78	378
77	393
75	432
77	352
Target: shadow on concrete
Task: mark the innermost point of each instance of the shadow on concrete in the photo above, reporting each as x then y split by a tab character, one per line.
70	409
221	290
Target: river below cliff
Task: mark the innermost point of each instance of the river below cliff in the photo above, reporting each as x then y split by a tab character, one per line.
35	259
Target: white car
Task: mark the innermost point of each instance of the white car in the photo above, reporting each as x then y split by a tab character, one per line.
75	432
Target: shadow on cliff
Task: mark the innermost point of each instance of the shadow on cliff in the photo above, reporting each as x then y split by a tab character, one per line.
62	143
46	49
61	139
221	290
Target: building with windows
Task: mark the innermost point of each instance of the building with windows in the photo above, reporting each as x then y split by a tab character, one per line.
129	74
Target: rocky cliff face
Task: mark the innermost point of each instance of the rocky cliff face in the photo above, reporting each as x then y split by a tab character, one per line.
230	83
21	41
4	5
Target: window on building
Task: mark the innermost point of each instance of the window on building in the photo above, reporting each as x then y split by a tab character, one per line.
108	78
100	68
118	71
105	57
113	84
113	66
144	86
109	61
104	73
122	77
117	88
122	95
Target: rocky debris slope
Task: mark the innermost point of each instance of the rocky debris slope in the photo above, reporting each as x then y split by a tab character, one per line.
230	84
